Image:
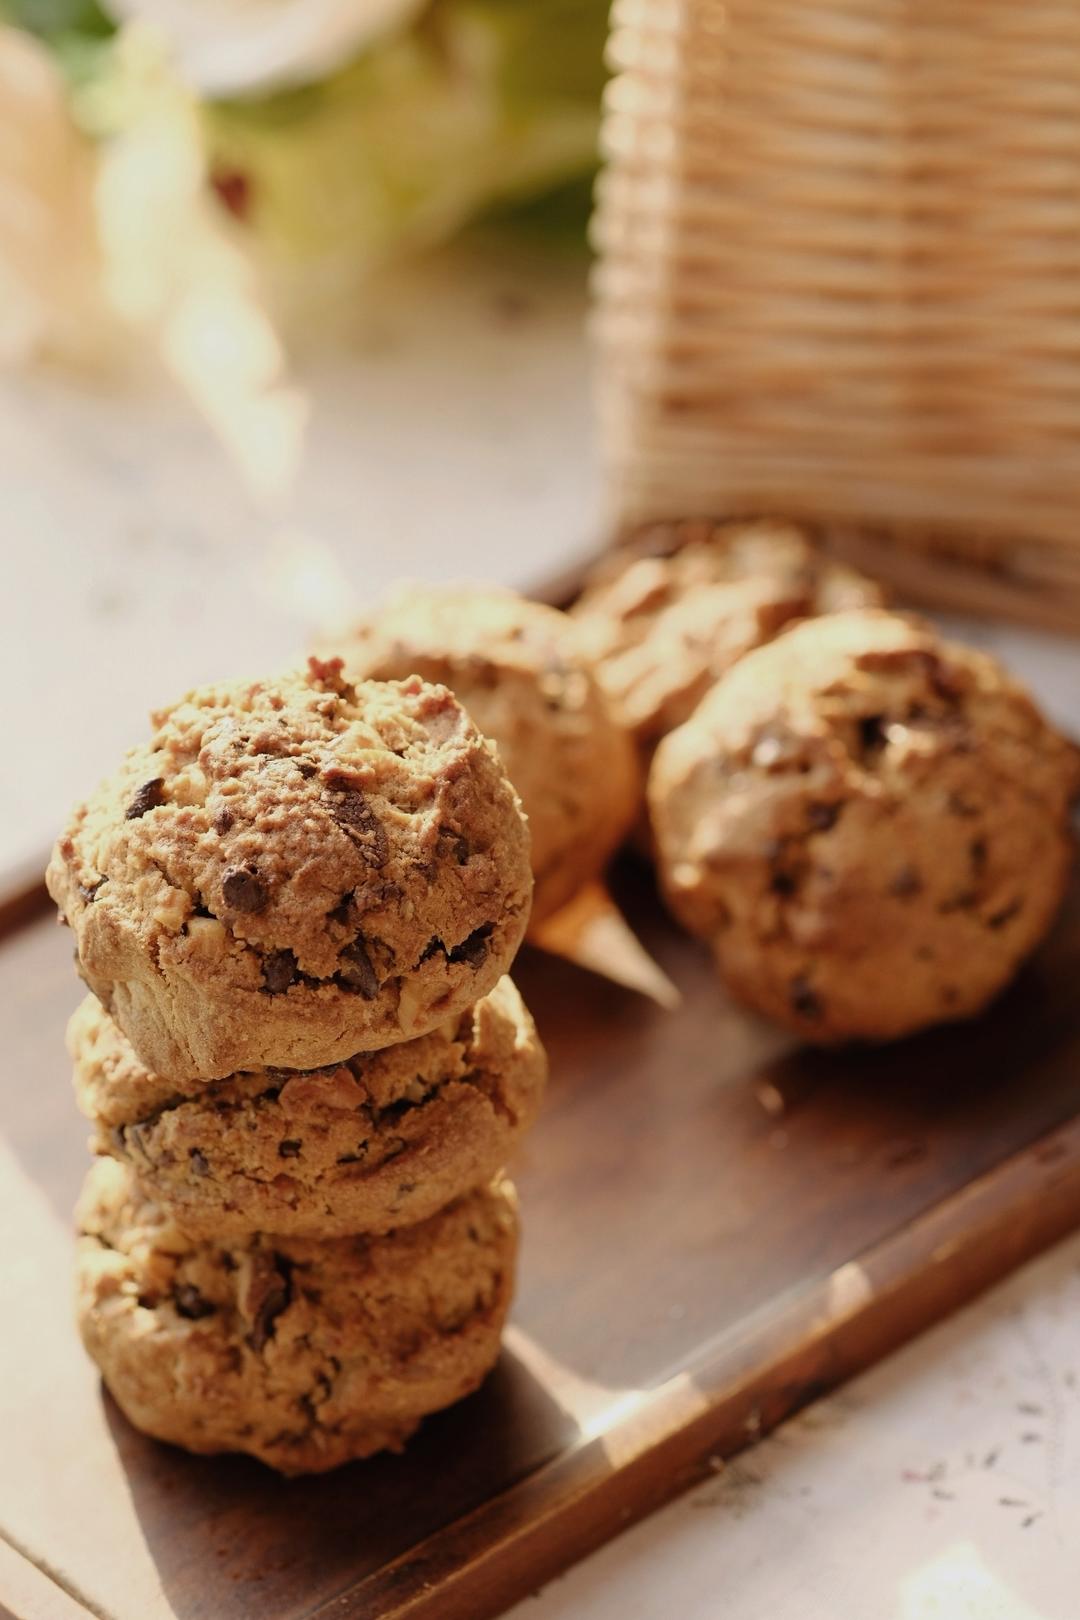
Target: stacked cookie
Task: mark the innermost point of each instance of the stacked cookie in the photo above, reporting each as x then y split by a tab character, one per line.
295	906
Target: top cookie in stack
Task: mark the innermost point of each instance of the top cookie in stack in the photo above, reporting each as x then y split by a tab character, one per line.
289	873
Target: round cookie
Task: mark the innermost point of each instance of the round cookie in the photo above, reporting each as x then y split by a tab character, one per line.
303	1353
293	871
666	615
381	1141
519	669
868	824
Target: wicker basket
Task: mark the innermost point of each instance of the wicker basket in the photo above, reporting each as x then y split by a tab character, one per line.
839	278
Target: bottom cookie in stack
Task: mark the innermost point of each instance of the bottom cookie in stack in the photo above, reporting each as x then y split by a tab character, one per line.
303	1352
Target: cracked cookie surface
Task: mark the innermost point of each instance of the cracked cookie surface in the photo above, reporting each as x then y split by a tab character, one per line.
665	616
305	1354
520	670
382	1141
869	825
292	871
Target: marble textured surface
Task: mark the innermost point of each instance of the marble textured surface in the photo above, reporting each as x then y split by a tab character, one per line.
942	1485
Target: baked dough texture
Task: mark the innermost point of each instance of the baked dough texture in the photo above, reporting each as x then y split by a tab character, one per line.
520	670
304	1354
666	615
869	825
381	1141
293	871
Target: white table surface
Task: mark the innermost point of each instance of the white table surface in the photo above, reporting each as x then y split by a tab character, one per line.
451	437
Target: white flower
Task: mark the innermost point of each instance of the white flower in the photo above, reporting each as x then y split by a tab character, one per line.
237	47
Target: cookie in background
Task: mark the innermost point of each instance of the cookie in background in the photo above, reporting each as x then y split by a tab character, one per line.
520	670
665	615
868	824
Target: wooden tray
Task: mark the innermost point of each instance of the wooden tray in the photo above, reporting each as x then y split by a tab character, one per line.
718	1229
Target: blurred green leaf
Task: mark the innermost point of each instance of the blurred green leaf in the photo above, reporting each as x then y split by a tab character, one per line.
53	20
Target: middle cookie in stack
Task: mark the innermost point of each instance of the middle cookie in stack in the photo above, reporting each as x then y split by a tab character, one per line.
295	906
379	1142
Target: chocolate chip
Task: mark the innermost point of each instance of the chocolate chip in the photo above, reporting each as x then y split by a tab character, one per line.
351	810
962	900
268	1295
307	769
279	971
289	1149
474	949
805	1001
199	1162
244	889
190	1303
343	911
961	807
356	971
149	796
455	844
906	883
872	738
223	821
823	816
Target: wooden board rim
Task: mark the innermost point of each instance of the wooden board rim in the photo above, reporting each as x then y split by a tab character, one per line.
970	1240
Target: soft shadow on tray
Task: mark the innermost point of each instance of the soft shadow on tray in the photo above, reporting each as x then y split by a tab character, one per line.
219	1527
690	1165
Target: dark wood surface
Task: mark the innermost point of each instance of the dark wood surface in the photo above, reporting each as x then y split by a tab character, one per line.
718	1228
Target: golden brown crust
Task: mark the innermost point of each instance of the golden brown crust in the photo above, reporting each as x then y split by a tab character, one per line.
304	1354
520	671
665	616
293	871
869	825
382	1141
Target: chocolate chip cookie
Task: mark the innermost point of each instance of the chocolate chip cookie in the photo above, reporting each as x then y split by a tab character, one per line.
293	871
381	1141
869	825
303	1353
519	669
666	615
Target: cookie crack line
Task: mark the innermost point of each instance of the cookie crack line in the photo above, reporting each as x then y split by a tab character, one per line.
484	1082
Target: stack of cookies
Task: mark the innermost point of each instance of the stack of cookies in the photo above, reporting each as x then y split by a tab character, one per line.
294	907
